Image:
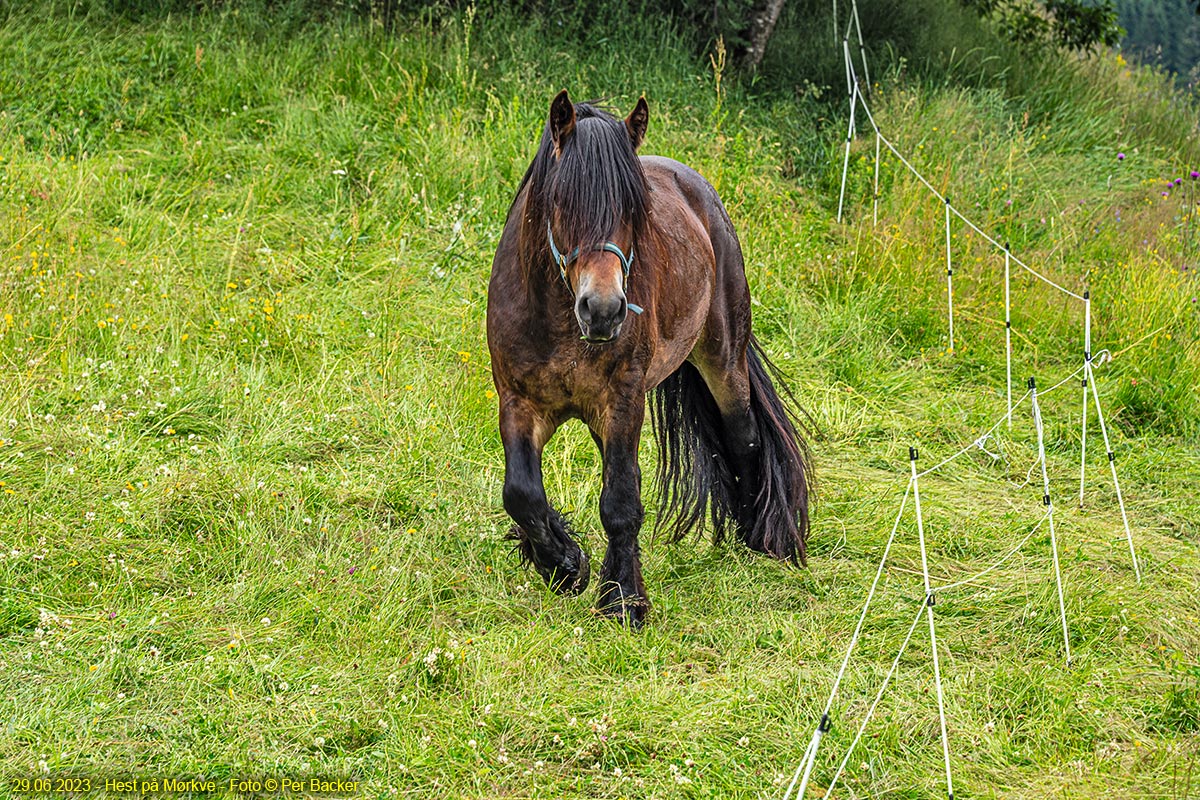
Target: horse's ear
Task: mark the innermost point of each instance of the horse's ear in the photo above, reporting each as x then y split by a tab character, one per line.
636	122
562	118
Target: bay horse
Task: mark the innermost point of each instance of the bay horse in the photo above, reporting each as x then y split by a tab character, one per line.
619	276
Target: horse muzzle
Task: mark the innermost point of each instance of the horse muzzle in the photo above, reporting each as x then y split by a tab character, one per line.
600	317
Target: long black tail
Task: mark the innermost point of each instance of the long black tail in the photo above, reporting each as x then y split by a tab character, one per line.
693	464
785	477
696	473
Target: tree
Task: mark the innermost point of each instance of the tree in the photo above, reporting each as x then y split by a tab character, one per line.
1069	24
763	17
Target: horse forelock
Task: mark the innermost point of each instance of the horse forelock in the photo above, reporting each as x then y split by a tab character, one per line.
588	188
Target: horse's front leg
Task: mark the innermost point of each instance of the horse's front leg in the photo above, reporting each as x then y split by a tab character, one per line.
543	536
622	591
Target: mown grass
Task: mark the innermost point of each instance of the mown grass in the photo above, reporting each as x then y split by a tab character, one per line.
251	521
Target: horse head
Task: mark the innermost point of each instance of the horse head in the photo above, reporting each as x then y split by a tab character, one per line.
595	202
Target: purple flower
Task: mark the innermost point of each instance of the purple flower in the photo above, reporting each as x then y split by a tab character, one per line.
1166	194
1120	156
352	570
1195	174
1178	181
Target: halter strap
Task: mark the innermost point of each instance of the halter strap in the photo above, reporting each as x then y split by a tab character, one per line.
563	261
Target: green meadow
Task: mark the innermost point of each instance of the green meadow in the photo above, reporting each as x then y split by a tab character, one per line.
250	513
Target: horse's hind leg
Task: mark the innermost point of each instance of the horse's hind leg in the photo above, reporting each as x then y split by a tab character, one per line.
730	388
767	455
543	537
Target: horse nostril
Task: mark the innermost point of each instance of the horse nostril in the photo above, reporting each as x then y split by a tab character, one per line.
601	314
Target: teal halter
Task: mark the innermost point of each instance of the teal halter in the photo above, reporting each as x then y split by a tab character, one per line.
563	261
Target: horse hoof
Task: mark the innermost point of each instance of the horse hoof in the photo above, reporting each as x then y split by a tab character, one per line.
570	577
568	581
787	551
629	611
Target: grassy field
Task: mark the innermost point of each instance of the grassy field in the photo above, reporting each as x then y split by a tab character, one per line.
250	517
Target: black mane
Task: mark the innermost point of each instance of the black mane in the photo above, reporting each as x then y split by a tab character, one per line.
591	187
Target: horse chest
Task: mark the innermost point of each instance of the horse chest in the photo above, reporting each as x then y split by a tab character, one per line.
570	383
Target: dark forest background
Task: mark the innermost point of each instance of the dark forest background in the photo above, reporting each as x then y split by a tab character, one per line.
1164	33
